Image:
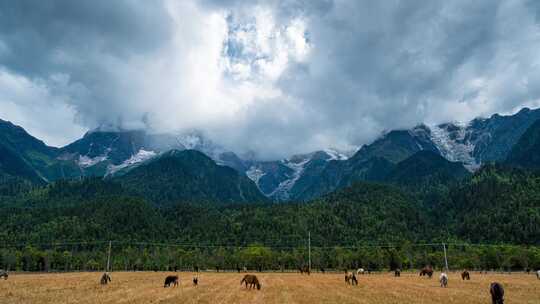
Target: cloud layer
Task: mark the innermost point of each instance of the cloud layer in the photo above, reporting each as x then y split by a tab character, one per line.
275	77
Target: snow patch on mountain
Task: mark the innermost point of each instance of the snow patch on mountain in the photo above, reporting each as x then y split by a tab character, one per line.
282	191
255	174
454	145
335	155
297	164
85	161
137	158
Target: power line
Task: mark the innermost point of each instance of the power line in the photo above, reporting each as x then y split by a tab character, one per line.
236	245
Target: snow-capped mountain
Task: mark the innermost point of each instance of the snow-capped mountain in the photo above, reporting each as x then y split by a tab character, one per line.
483	139
277	179
473	144
107	151
453	144
138	158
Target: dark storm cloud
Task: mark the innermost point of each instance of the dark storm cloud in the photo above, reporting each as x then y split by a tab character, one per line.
79	49
241	71
37	33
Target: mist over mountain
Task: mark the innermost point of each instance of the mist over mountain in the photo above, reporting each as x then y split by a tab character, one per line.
441	152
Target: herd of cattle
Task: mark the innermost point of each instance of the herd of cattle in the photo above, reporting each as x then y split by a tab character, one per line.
251	281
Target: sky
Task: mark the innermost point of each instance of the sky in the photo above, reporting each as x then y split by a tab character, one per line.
276	77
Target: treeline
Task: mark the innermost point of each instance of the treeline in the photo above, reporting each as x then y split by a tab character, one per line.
496	205
148	257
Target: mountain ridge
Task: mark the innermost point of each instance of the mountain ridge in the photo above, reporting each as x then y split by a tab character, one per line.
109	152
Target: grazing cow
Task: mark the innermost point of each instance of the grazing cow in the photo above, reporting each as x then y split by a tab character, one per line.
350	278
251	280
443	279
428	270
537	275
497	293
4	273
195	281
105	278
171	280
397	272
465	275
360	271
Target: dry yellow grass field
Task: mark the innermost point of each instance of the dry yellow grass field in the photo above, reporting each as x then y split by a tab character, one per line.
147	287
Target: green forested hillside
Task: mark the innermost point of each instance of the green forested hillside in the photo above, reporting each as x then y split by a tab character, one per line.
426	167
495	206
188	175
525	153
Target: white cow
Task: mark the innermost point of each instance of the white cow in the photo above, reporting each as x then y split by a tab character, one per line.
360	271
538	274
443	279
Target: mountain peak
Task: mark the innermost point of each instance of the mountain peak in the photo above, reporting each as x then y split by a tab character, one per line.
189	175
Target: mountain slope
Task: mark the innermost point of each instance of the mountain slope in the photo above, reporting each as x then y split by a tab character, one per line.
426	167
340	174
483	139
282	180
371	163
397	145
104	152
13	165
497	204
526	152
25	156
188	175
114	146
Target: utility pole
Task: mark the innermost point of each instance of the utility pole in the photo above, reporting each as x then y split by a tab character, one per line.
309	250
109	257
445	258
